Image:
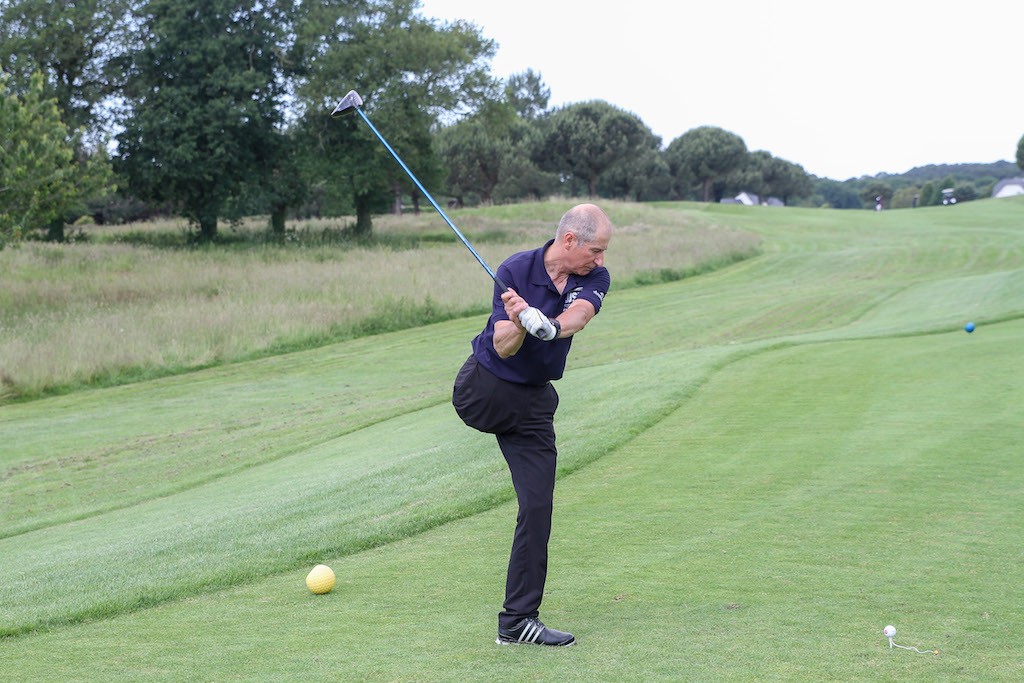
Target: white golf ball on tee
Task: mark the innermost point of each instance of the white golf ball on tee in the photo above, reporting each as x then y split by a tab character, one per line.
889	631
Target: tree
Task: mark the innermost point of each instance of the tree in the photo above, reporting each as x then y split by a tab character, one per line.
1020	153
706	153
475	158
965	192
754	175
641	176
204	93
525	180
586	140
283	186
74	44
837	195
41	180
527	94
787	180
489	154
276	184
930	195
904	197
522	177
410	71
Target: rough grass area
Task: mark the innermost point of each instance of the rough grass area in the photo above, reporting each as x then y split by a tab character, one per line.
137	302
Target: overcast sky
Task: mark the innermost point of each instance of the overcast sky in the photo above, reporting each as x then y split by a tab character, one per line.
842	88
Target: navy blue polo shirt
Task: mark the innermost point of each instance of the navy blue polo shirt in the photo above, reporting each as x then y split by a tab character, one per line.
537	362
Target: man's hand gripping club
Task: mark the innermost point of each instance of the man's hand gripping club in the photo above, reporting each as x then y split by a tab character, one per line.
530	318
538	324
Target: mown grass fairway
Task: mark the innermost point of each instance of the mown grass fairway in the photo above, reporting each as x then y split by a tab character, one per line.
760	468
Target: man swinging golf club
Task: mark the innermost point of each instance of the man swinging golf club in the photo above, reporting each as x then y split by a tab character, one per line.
504	388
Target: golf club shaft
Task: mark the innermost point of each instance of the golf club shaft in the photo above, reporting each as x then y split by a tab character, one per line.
458	233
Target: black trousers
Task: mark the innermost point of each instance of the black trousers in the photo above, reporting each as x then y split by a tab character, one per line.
522	419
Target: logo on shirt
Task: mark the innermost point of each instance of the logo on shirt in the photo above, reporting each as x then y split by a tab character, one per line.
575	293
570	297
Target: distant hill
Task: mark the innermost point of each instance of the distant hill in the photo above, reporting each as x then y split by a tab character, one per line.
920	186
922	174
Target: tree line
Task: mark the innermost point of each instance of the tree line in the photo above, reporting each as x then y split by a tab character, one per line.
217	109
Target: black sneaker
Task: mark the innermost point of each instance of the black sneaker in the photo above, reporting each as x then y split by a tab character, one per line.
532	632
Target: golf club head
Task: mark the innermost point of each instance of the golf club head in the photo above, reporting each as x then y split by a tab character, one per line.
348	104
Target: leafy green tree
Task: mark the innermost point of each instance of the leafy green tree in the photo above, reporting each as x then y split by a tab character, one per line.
837	195
788	181
421	154
475	157
276	185
768	177
346	166
903	198
489	155
641	176
525	180
285	186
519	119
527	94
930	195
1020	153
754	175
588	139
522	178
204	93
41	181
706	153
76	46
965	192
410	71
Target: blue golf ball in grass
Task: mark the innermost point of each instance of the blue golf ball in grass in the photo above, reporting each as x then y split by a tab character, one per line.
969	327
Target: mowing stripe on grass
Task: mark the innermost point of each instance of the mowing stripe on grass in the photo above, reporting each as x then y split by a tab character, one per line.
371	487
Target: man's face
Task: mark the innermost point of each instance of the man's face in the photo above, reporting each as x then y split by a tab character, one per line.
584	258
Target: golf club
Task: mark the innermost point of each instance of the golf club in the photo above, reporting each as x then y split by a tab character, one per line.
352	103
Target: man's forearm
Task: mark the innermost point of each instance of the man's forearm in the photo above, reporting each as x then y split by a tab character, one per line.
576	317
508	338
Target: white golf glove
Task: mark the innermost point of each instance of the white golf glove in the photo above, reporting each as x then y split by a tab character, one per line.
537	324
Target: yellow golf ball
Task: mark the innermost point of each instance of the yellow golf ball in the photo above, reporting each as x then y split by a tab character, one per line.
320	580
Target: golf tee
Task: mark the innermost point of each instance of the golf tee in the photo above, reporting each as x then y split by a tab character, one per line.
912	649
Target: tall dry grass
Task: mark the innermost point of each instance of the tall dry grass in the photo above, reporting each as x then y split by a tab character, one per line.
102	311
